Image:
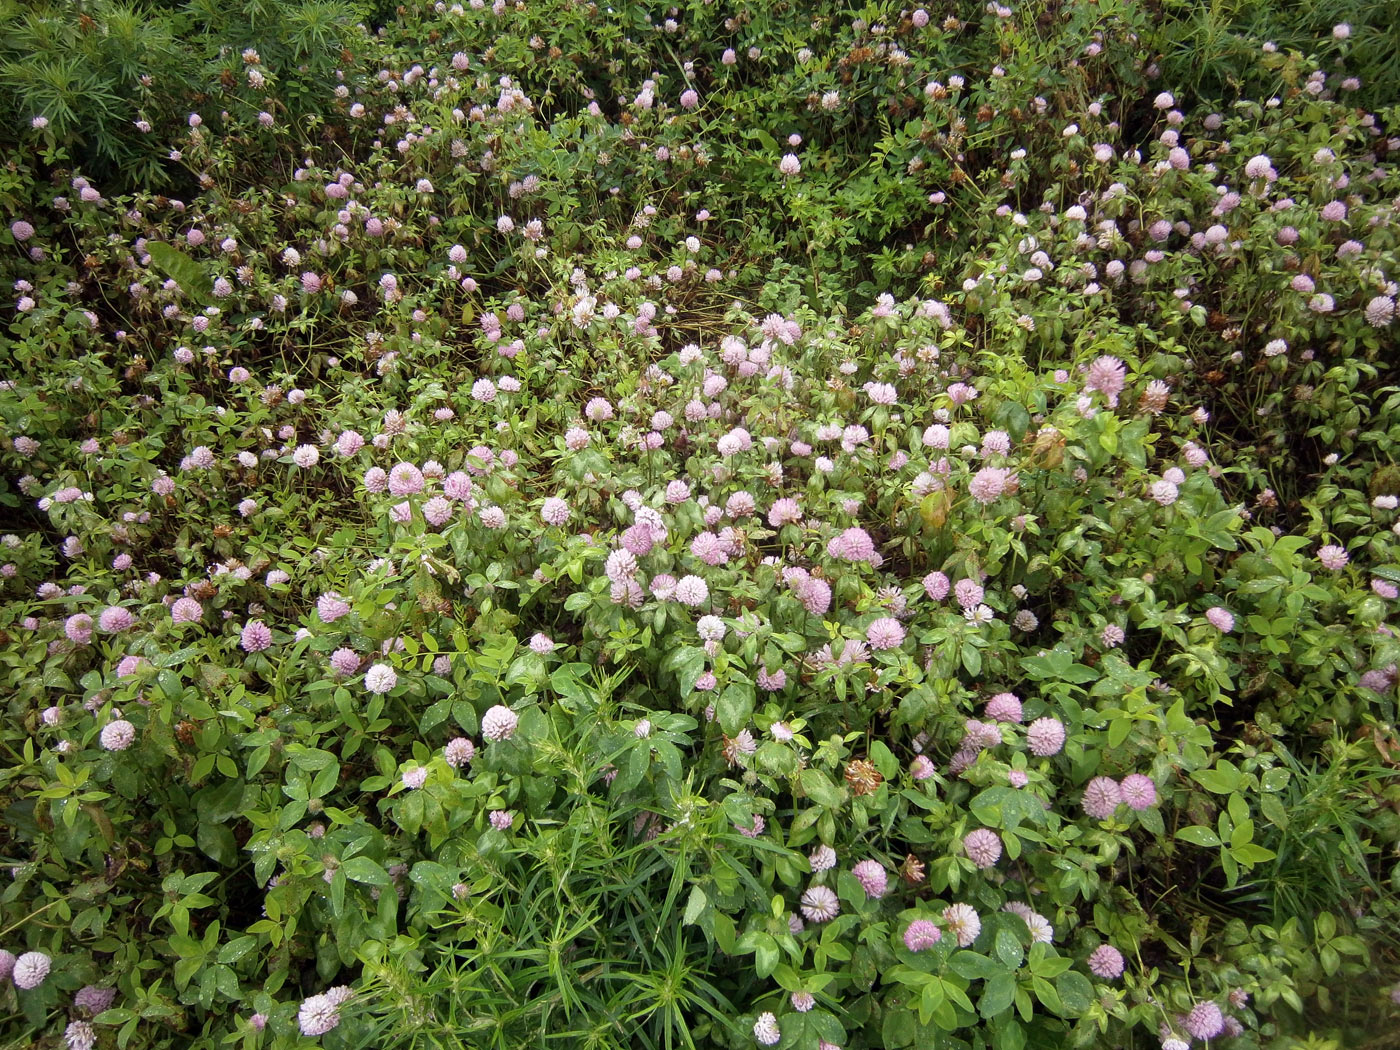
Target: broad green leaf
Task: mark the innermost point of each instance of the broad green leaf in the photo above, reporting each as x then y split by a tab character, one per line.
1199	835
365	869
187	273
997	995
974	966
734	707
1076	993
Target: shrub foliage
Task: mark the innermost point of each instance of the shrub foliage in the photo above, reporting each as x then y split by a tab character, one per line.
810	525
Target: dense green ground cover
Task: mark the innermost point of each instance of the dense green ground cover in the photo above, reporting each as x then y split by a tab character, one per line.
815	525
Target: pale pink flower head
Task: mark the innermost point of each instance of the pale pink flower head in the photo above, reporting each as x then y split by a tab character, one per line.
983	847
381	678
115	619
1138	791
117	735
1163	492
771	683
853	544
256	637
823	858
815	595
457	485
1205	1021
872	877
885	633
620	566
405	479
437	511
1221	618
820	904
922	934
331	607
458	752
499	723
1380	311
1333	557
130	665
345	662
637	540
766	1031
936	436
735	441
1102	796
31	970
692	591
348	443
969	593
980	735
1045	736
78	628
936	586
318	1015
709	548
554	511
1106	961
1004	707
1108	375
92	1000
988	484
963	922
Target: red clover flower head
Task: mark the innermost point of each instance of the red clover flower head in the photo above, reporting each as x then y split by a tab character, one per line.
1106	961
1107	375
1138	791
30	970
1221	619
820	904
1045	736
499	723
872	877
1102	797
922	934
885	633
256	637
1205	1021
983	847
